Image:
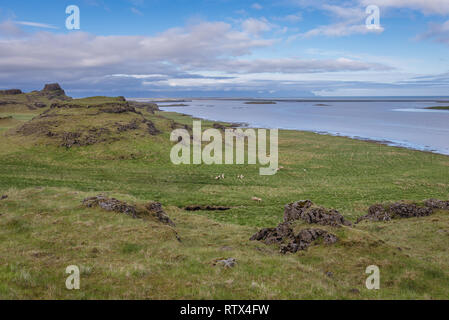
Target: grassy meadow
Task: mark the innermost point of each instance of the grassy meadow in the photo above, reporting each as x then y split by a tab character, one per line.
44	228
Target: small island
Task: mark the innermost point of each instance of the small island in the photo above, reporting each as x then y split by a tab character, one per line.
439	108
175	105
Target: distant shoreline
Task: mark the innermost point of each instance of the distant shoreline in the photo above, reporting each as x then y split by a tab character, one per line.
390	143
308	100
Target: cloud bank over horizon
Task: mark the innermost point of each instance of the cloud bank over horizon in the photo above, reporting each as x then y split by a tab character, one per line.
304	49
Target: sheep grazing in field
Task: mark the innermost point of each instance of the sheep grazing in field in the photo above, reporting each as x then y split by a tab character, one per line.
222	176
256	199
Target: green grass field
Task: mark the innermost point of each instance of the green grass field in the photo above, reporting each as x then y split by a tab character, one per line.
44	228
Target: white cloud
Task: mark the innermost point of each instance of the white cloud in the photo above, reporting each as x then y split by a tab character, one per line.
10	29
256	26
438	32
35	24
136	11
172	59
296	65
291	18
340	30
440	7
350	20
256	6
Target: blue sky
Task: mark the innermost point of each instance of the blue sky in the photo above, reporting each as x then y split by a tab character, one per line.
179	48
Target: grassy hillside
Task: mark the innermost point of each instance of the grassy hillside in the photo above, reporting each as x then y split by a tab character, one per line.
44	228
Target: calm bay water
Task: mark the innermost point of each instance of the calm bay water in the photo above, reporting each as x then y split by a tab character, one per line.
394	122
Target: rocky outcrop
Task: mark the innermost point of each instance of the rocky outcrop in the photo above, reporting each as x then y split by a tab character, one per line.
437	204
156	209
307	211
288	241
10	92
152	209
304	210
53	91
305	238
399	210
110	204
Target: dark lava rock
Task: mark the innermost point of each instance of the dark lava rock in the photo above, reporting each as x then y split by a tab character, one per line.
133	125
305	238
437	204
404	210
117	108
59	105
376	212
397	210
149	107
293	211
52	87
53	91
274	235
90	137
219	126
306	211
206	208
289	242
110	204
153	209
11	92
156	208
151	127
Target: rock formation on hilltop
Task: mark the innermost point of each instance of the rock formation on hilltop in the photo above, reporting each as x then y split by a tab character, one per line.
10	92
53	91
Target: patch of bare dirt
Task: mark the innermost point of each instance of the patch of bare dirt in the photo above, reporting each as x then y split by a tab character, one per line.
310	213
206	208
